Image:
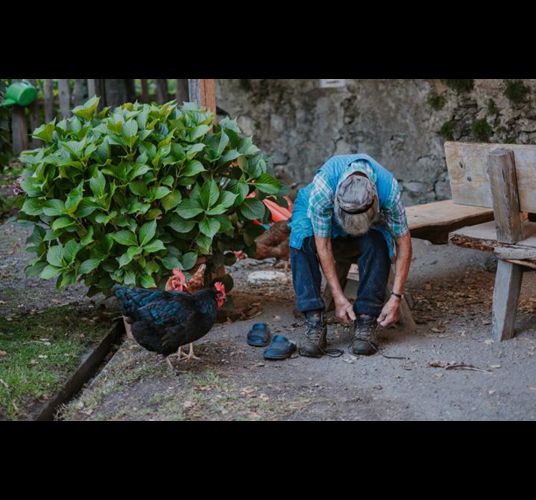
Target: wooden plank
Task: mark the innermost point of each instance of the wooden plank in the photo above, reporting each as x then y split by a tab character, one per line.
65	98
91	88
85	371
203	92
504	193
505	299
515	253
131	89
467	167
162	95
115	90
484	237
35	117
79	92
434	221
181	92
144	91
49	101
531	264
19	129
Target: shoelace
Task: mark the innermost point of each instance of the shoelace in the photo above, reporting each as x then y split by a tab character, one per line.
332	353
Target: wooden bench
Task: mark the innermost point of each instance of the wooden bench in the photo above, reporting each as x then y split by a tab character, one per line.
502	177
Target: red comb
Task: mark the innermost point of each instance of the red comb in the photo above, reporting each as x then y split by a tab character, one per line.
220	287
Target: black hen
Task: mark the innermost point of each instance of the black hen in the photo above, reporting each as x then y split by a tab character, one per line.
132	299
165	321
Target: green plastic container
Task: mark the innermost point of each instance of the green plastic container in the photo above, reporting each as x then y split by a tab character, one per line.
19	93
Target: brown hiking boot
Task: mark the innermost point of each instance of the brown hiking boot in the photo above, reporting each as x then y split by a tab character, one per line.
364	342
313	342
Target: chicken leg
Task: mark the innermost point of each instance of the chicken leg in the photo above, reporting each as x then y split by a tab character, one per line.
187	357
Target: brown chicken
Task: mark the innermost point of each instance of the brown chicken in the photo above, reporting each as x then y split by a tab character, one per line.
274	242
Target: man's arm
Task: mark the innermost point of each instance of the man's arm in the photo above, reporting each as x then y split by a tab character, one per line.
391	310
343	308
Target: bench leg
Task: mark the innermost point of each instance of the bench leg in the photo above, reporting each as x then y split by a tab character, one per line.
505	298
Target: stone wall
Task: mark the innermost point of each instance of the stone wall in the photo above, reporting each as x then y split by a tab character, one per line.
401	123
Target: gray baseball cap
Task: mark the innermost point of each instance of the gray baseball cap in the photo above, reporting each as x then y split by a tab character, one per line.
356	205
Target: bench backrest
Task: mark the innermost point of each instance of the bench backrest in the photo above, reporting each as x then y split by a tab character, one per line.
467	165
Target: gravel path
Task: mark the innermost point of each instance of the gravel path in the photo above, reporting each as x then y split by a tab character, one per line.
19	294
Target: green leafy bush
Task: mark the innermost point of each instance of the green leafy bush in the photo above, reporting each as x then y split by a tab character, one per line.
126	195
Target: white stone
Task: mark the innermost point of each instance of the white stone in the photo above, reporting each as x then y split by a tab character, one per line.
267	277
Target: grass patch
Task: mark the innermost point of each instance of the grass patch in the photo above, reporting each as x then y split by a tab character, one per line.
39	351
482	130
460	86
493	110
437	101
516	91
447	130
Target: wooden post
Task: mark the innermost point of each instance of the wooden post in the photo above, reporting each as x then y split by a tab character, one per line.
162	95
131	89
35	117
505	298
144	91
95	87
19	129
49	100
115	90
181	92
65	98
91	88
503	183
78	92
203	92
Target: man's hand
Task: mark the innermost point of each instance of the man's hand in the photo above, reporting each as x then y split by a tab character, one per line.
344	310
390	312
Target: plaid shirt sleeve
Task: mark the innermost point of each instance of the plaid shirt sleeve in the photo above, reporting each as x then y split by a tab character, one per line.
320	209
394	213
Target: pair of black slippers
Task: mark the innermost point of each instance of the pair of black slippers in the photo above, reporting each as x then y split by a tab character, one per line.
279	348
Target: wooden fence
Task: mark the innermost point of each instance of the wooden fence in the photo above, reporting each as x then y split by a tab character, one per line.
71	93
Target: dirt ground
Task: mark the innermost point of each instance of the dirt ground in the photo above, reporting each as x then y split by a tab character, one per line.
449	369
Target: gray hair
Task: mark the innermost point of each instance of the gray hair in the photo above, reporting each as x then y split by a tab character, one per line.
356	206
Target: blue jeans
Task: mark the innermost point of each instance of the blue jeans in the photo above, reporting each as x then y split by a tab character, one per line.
374	265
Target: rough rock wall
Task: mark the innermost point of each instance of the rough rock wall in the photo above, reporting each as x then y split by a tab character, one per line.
401	123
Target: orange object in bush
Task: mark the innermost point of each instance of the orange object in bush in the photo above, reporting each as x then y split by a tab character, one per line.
278	212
